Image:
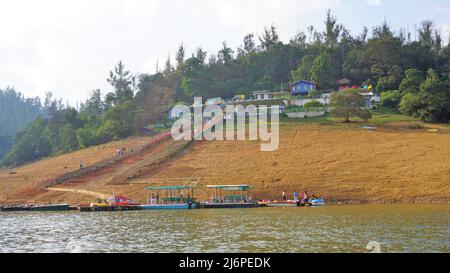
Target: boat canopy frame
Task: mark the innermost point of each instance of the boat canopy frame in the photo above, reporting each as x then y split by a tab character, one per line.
171	194
241	187
240	193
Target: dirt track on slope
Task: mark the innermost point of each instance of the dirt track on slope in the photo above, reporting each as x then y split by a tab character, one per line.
23	183
115	179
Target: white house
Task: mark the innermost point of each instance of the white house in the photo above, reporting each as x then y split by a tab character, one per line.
262	95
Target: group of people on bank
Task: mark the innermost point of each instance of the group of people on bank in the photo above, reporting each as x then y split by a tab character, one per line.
302	197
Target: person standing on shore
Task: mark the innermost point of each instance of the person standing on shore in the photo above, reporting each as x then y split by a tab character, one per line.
305	198
295	196
284	195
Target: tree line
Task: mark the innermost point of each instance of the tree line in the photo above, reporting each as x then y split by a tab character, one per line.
16	112
412	76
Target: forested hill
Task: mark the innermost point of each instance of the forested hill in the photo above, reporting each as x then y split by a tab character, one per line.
16	112
412	75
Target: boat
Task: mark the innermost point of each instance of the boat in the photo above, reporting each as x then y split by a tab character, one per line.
170	198
229	196
16	208
168	206
293	203
56	207
288	203
92	207
113	203
36	207
318	202
207	205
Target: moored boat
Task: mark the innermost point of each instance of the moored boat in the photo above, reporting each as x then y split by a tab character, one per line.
36	207
230	196
288	203
87	207
229	205
168	206
318	202
113	203
170	198
56	207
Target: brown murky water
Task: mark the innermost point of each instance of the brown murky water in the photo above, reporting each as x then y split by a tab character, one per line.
397	228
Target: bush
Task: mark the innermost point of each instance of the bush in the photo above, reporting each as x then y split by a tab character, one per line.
313	104
295	109
391	98
314	93
410	104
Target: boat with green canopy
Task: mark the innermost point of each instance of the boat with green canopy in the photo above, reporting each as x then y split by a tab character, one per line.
229	196
170	198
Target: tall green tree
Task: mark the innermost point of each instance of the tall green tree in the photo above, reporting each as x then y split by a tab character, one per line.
94	105
68	138
123	82
321	71
434	96
411	82
304	69
269	38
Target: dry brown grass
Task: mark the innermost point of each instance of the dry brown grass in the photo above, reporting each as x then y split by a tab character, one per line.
114	179
340	162
391	164
24	182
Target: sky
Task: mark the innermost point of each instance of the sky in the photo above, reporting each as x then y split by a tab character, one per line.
68	47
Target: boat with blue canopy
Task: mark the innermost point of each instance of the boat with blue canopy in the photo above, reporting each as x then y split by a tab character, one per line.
170	198
229	196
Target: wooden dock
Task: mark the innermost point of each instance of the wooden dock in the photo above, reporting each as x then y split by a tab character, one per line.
109	208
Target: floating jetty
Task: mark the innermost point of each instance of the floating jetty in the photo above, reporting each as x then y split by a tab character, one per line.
228	205
109	208
175	198
55	207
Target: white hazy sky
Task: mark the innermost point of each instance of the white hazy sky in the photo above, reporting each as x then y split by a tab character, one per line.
68	47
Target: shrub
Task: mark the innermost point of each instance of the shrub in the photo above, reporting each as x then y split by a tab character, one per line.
391	98
314	93
313	104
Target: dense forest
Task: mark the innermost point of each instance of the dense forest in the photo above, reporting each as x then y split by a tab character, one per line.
16	112
412	76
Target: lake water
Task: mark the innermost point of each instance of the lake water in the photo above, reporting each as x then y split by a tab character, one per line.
397	228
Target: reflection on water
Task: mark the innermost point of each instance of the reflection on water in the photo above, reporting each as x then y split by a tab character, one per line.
398	228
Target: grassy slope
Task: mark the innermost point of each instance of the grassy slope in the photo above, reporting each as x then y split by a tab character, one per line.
340	161
337	160
25	181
